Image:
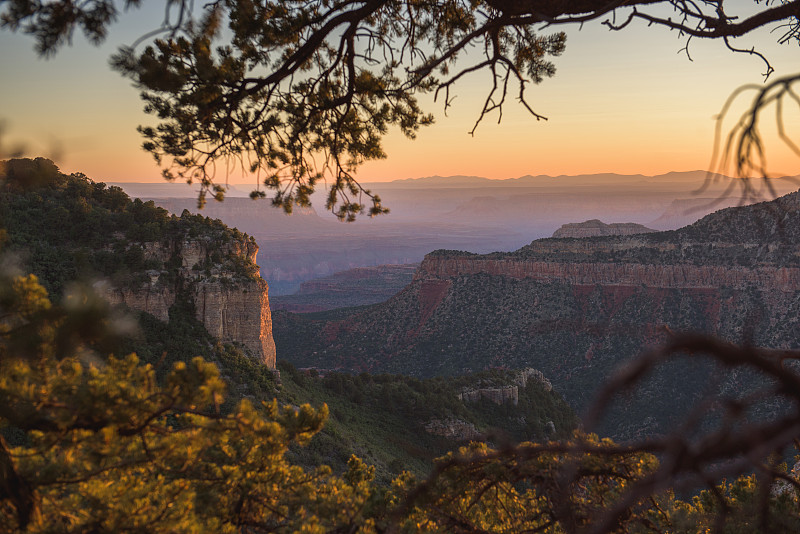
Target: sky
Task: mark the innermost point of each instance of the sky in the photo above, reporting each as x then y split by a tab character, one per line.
625	102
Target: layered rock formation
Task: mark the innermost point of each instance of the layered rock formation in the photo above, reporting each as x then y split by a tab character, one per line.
238	313
578	308
497	395
595	227
505	393
768	277
230	298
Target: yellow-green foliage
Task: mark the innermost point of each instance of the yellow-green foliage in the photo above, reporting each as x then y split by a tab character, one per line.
107	449
531	488
95	443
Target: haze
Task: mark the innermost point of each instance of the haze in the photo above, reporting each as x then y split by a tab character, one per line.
627	102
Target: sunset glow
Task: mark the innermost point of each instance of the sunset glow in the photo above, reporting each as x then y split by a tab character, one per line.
627	102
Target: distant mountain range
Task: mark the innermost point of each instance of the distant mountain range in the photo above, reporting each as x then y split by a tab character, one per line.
695	178
543	180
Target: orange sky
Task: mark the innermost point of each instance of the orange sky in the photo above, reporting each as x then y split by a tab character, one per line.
624	102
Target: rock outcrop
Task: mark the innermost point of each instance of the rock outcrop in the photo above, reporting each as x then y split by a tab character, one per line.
530	374
71	227
505	393
230	298
149	298
497	395
595	227
451	428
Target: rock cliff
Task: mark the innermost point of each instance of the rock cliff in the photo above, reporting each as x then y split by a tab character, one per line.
497	395
768	277
595	227
220	277
68	229
503	393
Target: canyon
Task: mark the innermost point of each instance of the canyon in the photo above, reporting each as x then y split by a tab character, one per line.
457	212
578	308
188	287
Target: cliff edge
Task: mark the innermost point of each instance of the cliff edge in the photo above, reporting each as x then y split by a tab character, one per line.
595	227
219	275
68	229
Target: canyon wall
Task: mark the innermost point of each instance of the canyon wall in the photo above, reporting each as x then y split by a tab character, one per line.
237	313
230	298
772	278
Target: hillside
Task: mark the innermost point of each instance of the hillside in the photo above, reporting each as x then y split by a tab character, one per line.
578	308
401	423
176	274
69	229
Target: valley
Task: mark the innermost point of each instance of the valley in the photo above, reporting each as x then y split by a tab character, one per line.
575	308
382	375
578	309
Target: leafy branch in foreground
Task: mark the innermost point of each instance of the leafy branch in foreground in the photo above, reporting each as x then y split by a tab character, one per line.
92	442
103	447
303	91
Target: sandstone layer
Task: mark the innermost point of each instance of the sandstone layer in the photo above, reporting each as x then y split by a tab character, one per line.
768	277
230	298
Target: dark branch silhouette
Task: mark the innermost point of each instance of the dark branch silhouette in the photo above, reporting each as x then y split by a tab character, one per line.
302	91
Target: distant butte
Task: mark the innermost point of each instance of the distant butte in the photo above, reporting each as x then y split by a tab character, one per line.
595	227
